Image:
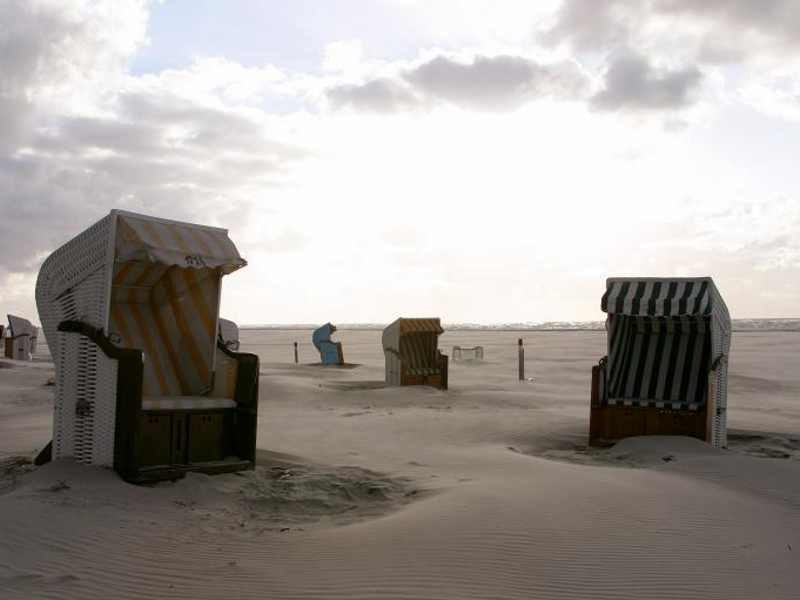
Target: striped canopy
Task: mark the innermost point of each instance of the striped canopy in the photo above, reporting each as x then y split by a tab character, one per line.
659	297
171	314
165	299
663	337
402	327
170	243
415	342
662	362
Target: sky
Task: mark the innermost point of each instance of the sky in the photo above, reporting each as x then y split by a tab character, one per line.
480	161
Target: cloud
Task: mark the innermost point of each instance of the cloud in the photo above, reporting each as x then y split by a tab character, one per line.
79	135
155	153
380	96
48	48
713	31
777	19
496	82
485	83
747	50
589	25
48	52
631	82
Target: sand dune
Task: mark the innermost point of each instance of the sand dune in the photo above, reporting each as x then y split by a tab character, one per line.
484	491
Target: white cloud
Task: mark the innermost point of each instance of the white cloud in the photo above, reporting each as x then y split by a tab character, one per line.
50	51
486	83
741	39
496	82
88	136
633	83
383	95
707	30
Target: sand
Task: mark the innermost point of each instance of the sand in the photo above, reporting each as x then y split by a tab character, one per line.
484	491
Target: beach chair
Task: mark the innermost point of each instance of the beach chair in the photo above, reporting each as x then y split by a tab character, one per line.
20	341
143	382
667	364
229	334
412	356
330	352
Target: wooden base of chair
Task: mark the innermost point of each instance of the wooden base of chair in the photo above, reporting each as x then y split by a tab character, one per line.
431	380
608	424
339	353
184	437
157	473
163	444
437	380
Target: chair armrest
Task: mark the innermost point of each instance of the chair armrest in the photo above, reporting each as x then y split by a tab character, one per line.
100	339
247	374
442	362
598	390
246	398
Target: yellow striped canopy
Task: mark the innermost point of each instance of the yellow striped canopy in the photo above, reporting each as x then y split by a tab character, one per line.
165	299
171	243
402	327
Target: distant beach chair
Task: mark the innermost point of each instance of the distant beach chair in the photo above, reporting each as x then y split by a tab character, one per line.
460	353
330	352
130	309
21	336
229	334
410	348
666	369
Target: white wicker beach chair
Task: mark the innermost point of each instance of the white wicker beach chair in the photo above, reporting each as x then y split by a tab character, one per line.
130	310
229	334
21	338
410	347
666	370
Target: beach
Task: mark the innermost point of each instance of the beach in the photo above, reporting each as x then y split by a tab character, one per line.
486	490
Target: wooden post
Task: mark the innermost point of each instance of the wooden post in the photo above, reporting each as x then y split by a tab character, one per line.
295	353
521	360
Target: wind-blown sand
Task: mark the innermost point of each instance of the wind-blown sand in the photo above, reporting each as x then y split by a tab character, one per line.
484	491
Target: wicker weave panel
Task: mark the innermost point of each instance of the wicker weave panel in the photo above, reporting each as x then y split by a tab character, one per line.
73	283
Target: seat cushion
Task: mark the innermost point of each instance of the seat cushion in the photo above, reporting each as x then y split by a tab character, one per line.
185	403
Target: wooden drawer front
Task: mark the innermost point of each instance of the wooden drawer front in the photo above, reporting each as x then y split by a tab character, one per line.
209	436
154	446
